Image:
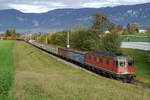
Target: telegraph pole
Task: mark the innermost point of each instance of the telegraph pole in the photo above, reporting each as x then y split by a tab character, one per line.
46	39
68	46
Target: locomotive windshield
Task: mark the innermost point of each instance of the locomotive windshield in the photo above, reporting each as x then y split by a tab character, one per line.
130	63
121	64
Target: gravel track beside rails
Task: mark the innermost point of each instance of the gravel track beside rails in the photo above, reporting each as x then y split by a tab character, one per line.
68	63
138	83
65	61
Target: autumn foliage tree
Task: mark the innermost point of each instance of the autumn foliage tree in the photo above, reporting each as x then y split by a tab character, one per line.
10	34
100	22
133	28
119	28
125	32
111	27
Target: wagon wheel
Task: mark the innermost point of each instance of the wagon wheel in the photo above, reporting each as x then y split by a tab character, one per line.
110	76
130	80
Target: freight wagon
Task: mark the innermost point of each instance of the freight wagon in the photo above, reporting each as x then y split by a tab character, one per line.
63	52
76	56
114	65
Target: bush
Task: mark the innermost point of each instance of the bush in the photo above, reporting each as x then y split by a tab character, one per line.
59	38
110	42
86	39
40	38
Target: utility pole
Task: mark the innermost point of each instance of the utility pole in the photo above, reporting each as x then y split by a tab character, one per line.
30	36
46	39
68	46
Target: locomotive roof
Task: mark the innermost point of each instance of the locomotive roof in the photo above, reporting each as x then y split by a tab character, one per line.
106	53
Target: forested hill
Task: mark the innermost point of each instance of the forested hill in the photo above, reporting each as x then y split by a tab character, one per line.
67	18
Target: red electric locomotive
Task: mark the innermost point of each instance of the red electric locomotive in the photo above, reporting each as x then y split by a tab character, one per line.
114	65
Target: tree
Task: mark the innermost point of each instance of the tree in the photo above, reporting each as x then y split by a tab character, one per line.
148	29
10	34
42	38
59	38
128	28
119	28
86	40
13	34
7	33
110	42
111	27
78	27
125	32
133	28
100	22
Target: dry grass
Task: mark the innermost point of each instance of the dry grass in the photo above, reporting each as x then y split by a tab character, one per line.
40	77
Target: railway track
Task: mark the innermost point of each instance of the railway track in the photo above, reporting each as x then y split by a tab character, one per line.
138	83
134	82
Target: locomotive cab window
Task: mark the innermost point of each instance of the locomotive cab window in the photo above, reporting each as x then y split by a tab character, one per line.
100	60
107	62
130	63
94	58
89	57
121	64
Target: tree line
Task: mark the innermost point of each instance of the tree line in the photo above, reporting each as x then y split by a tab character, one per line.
86	39
92	38
10	34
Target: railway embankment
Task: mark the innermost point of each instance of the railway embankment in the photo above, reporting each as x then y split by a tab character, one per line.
41	77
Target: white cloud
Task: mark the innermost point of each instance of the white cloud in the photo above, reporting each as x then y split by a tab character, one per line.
29	8
111	3
38	6
97	4
58	4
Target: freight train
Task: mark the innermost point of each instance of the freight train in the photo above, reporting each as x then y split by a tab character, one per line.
114	65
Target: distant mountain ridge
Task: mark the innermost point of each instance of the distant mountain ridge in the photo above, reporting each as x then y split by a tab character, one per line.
67	18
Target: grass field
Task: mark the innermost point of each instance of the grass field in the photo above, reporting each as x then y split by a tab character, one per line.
135	38
142	63
40	77
6	68
139	34
142	34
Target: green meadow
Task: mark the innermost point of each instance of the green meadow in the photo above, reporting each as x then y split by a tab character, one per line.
6	68
28	74
41	77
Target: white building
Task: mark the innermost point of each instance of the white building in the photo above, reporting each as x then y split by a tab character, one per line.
2	38
142	31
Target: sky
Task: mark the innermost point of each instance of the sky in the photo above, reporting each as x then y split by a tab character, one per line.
39	6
